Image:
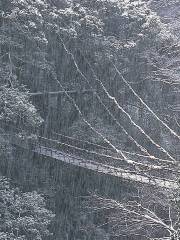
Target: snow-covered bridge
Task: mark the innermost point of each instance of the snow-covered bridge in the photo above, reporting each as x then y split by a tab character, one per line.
42	148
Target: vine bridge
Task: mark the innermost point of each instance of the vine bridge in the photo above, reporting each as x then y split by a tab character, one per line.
140	170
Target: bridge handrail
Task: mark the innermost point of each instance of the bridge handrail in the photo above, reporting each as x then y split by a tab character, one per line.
129	161
84	141
126	152
112	168
152	179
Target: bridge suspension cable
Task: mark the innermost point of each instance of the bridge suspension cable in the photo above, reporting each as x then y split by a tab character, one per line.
110	149
106	108
129	161
144	104
119	107
141	177
83	118
129	116
83	141
106	169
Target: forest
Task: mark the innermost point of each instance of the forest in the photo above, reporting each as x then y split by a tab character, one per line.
89	119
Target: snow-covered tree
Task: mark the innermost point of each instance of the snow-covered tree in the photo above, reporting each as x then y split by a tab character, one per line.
150	213
23	215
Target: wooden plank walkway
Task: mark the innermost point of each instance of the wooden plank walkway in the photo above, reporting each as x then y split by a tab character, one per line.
104	169
95	166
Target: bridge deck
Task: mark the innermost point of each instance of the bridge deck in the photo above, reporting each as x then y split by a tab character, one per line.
103	168
120	172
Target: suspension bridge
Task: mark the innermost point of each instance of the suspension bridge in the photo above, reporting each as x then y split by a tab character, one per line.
49	148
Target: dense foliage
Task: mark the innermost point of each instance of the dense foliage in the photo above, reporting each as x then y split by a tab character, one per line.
36	40
22	215
15	105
